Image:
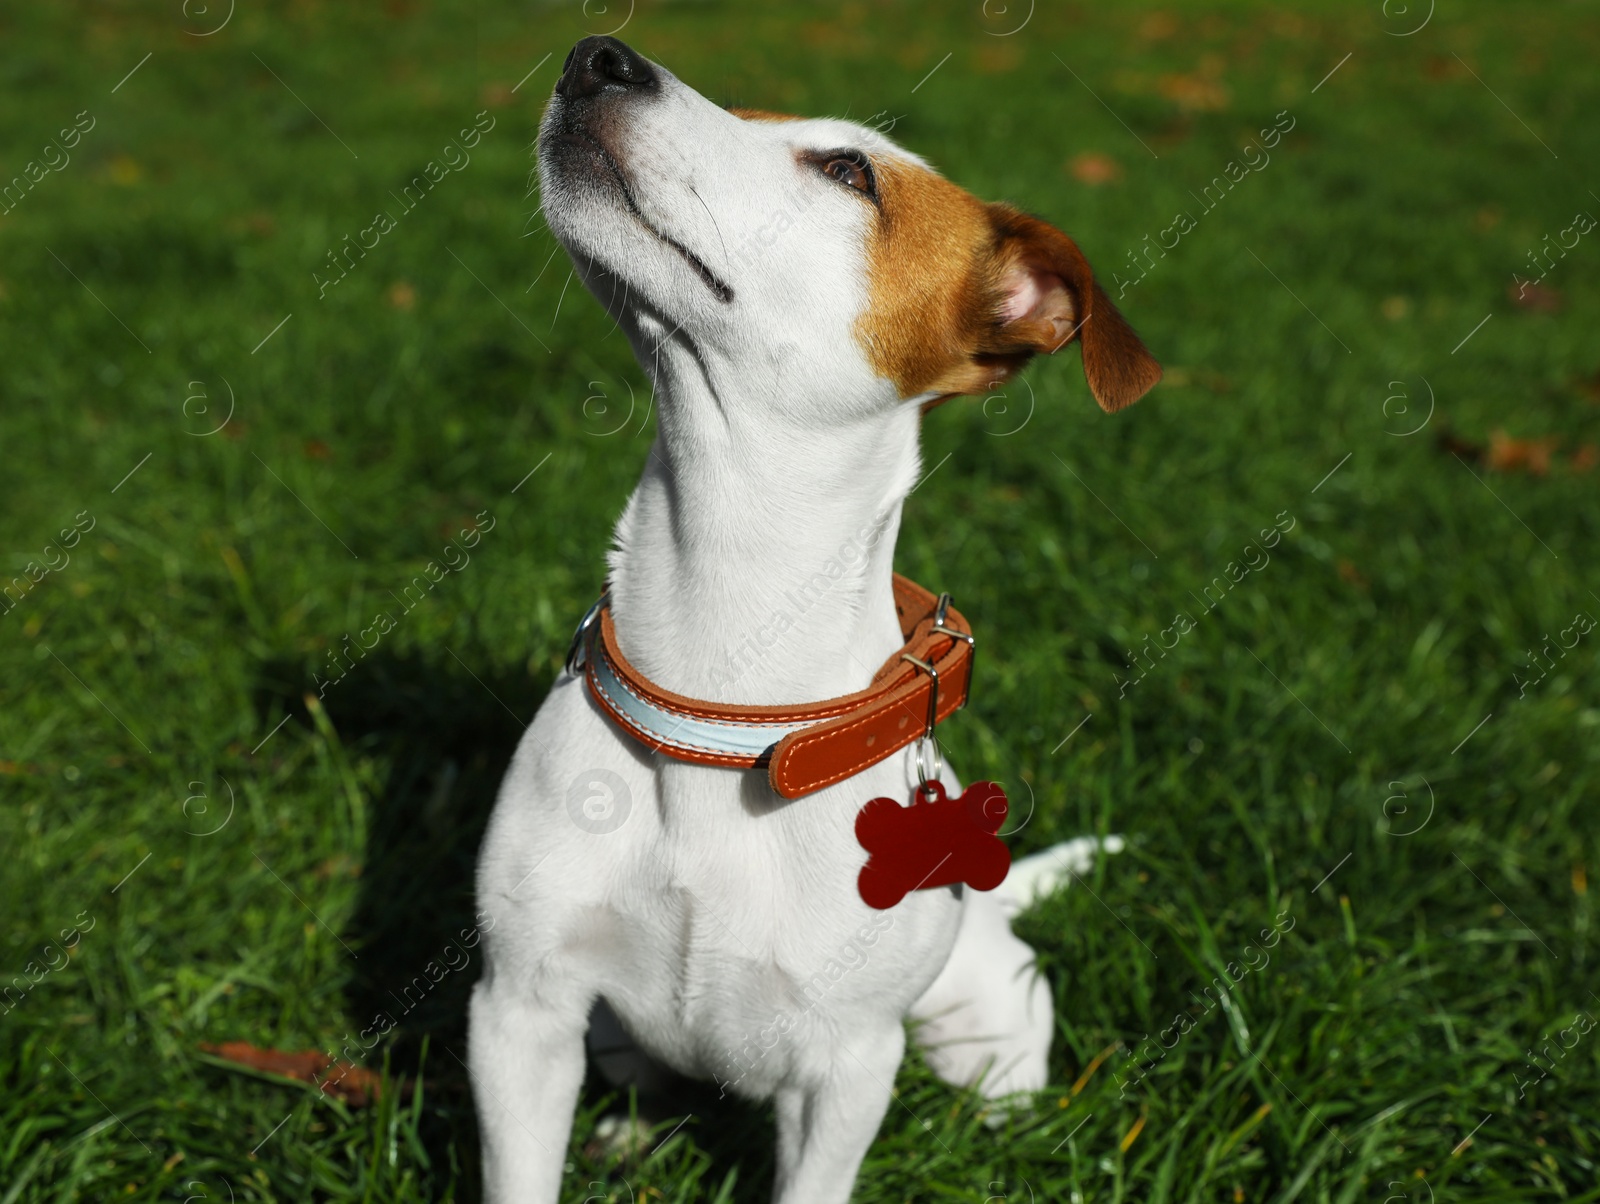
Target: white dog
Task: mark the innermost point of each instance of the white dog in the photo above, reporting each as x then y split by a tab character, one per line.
799	292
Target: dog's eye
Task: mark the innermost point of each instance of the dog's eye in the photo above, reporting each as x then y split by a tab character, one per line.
851	168
847	171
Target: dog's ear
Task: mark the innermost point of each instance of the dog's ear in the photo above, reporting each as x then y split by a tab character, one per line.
1042	295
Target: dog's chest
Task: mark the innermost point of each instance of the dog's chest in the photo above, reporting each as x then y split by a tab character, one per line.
758	952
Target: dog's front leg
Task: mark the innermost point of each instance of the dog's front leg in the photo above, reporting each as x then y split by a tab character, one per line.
826	1123
526	1059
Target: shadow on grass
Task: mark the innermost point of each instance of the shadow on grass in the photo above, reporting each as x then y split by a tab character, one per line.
447	733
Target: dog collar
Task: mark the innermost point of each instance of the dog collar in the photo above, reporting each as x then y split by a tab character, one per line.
803	748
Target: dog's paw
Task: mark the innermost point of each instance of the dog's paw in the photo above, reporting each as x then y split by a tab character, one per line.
619	1138
1034	877
1008	1110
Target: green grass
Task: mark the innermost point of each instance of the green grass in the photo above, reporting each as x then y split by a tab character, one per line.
282	884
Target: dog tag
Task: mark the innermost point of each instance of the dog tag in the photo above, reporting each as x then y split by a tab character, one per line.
937	841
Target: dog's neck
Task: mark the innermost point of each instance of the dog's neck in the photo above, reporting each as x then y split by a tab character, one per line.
753	562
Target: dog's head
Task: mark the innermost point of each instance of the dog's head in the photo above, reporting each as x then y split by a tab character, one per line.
810	249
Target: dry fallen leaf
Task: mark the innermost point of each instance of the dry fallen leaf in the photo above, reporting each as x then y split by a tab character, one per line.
353	1085
998	58
125	170
1506	453
1094	169
1158	25
1194	92
259	223
496	96
337	866
1352	575
1453	445
1589	386
453	528
1538	298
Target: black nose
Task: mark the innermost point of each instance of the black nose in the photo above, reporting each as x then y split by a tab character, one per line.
598	64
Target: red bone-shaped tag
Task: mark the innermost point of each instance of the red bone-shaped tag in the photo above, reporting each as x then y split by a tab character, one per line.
937	841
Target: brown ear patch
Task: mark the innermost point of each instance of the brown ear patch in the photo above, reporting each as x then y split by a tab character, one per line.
961	295
926	282
763	115
1049	297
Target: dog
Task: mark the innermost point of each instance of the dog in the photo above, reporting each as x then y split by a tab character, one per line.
675	839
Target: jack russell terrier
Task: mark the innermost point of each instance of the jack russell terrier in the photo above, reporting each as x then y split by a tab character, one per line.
684	836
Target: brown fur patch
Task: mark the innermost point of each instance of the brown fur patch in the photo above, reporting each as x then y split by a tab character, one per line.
929	291
763	115
1115	363
938	264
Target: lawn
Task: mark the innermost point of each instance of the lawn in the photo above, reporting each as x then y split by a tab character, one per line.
1309	626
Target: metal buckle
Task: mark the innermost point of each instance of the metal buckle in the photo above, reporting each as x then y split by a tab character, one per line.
972	645
577	651
929	759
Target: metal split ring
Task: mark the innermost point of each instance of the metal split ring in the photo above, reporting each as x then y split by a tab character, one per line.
930	764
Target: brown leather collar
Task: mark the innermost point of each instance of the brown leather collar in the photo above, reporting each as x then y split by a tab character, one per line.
803	748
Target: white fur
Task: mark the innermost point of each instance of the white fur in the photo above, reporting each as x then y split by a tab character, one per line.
719	922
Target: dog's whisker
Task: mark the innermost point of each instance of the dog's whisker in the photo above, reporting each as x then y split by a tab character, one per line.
540	276
561	298
616	322
714	223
